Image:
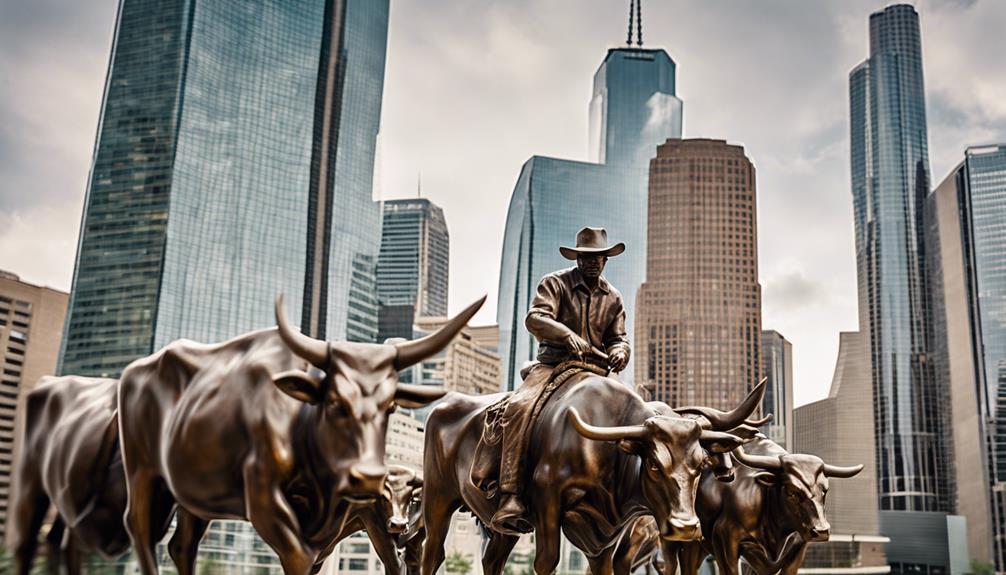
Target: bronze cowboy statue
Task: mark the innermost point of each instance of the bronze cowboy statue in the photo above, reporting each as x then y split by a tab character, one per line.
584	454
579	321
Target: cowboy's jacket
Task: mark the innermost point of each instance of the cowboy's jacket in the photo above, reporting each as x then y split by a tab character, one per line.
597	315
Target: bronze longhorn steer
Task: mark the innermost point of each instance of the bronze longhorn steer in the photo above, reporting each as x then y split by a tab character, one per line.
589	479
385	520
70	461
243	430
767	515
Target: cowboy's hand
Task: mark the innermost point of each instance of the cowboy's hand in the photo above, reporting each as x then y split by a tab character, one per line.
618	359
577	345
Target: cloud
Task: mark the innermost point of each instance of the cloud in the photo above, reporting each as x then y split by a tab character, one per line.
473	89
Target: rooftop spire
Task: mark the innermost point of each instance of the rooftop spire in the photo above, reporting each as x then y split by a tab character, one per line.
635	14
639	23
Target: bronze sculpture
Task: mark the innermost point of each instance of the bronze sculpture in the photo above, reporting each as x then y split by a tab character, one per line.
576	314
767	515
639	548
273	426
589	479
387	522
70	461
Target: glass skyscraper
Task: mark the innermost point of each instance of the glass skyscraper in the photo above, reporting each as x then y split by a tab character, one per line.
890	181
413	268
967	226
233	162
633	109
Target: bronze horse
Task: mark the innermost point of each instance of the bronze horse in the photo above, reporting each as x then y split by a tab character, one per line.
247	429
590	480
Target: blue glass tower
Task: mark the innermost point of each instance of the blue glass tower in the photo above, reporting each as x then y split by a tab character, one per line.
890	181
634	109
967	227
233	162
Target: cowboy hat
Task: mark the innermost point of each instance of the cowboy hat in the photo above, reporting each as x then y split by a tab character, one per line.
592	241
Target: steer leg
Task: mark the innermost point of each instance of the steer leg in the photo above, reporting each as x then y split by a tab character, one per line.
726	549
147	510
794	563
603	563
496	553
689	555
27	516
184	544
383	544
438	508
273	519
70	551
547	535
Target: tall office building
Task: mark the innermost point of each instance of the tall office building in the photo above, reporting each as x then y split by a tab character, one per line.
233	162
890	181
633	109
414	264
31	326
777	369
839	429
698	315
967	264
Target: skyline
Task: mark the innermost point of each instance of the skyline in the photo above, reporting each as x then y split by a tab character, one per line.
473	124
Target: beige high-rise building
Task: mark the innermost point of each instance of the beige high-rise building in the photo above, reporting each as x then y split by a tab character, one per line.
31	328
467	365
839	429
698	314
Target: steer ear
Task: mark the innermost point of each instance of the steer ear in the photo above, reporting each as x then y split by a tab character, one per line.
719	441
299	385
411	396
766	478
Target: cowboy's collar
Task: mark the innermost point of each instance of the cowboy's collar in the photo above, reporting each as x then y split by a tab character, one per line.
579	282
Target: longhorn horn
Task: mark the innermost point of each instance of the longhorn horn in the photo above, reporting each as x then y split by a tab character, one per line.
842	472
313	350
412	352
766	462
724	420
617	433
759	422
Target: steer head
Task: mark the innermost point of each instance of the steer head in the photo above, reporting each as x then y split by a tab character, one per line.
673	450
402	491
800	482
353	393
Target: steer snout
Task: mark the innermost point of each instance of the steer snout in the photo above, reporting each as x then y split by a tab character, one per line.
366	480
681	529
397	525
820	532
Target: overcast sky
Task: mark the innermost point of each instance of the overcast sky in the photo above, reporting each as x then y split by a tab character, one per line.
476	87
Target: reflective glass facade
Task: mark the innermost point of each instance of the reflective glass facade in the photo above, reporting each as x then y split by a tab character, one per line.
890	181
968	265
200	202
633	109
777	368
552	201
356	218
203	201
413	268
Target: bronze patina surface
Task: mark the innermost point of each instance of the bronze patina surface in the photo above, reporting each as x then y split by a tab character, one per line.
768	515
589	479
273	426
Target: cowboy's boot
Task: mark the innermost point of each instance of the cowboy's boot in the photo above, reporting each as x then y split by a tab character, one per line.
509	517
